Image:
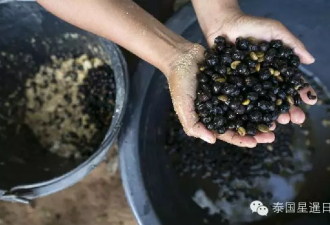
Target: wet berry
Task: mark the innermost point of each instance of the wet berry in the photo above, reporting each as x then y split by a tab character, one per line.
242	44
221	69
202	78
220	40
264	74
242	69
255	116
238	55
311	96
231	115
245	87
285	107
252	96
263	105
264	46
276	44
216	88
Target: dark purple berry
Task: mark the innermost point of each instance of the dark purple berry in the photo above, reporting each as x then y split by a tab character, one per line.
244	117
203	96
311	96
297	100
281	94
284	53
202	78
228	88
270	55
242	44
264	46
217	110
226	59
253	47
221	130
251	63
212	61
267	118
251	129
240	110
267	85
221	69
255	116
263	105
225	107
257	88
220	40
239	123
295	61
219	121
285	107
220	47
274	115
231	115
271	96
249	107
252	96
216	88
264	74
206	120
251	81
242	69
276	44
210	126
209	105
231	125
234	104
238	55
215	101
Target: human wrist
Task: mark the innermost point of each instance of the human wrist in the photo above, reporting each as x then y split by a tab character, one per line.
175	55
215	14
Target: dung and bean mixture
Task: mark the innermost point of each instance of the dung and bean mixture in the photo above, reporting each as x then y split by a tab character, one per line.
246	86
68	105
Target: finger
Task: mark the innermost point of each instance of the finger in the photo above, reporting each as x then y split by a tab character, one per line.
265	137
284	118
273	127
185	109
190	121
234	138
303	94
297	115
198	130
299	48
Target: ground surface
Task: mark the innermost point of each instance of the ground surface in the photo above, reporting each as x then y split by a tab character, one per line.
97	200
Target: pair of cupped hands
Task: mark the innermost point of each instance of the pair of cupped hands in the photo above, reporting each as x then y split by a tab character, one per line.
183	83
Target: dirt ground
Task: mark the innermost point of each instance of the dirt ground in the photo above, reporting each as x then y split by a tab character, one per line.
99	199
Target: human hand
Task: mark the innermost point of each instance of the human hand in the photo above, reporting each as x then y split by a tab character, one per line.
232	23
183	84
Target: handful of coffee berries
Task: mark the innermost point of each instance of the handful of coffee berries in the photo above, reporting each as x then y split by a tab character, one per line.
246	86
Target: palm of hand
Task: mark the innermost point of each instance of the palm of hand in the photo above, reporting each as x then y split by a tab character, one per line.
183	82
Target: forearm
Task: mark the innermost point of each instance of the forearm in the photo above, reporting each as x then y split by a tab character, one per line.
123	22
211	12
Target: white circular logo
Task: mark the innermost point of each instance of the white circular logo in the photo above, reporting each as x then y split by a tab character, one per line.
262	210
254	205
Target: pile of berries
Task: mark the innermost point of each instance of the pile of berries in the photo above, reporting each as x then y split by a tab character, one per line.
246	86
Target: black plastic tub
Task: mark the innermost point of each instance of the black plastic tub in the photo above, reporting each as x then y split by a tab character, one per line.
25	27
155	191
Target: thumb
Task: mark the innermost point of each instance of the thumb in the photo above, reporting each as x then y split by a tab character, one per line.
185	109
